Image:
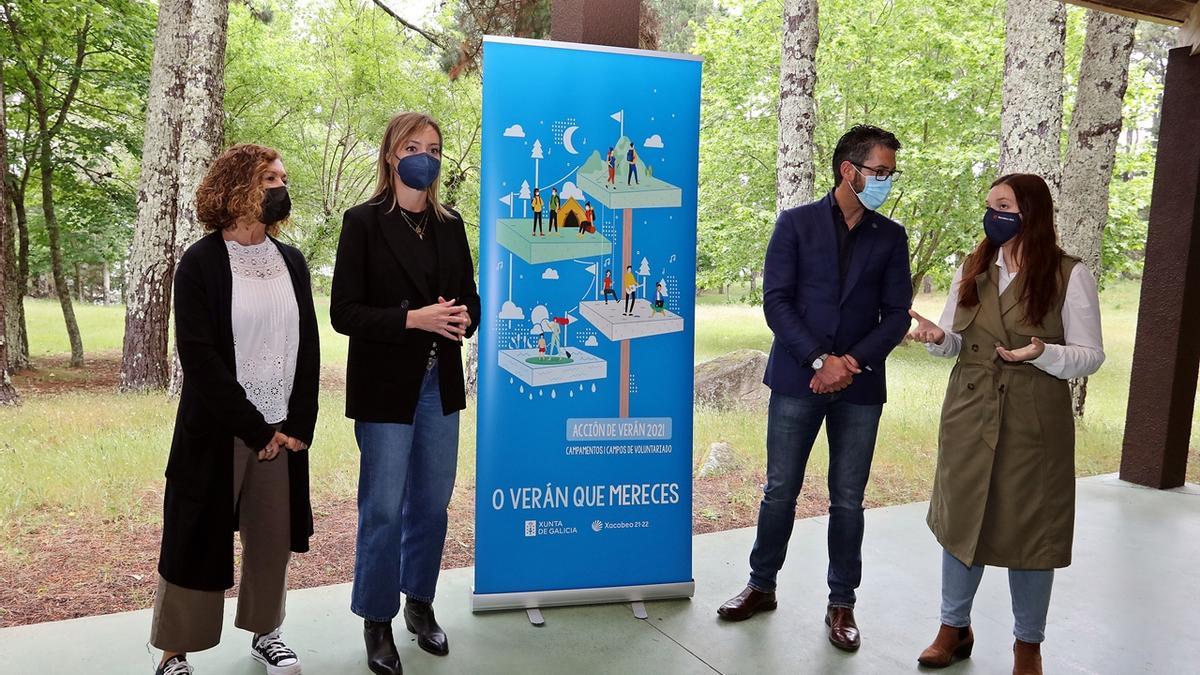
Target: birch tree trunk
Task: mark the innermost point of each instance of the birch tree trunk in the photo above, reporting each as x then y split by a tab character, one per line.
151	262
8	394
1032	111
203	129
797	104
1091	146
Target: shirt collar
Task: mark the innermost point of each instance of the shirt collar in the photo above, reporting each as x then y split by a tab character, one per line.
840	218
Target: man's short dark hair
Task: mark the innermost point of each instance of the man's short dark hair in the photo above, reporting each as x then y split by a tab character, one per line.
856	145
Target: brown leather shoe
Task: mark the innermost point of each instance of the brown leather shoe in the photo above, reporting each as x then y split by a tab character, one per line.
1027	658
843	632
746	604
950	643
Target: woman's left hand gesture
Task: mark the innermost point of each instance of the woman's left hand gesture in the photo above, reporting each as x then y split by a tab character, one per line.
1029	353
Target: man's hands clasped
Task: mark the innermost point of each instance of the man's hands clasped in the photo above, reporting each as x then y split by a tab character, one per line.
835	375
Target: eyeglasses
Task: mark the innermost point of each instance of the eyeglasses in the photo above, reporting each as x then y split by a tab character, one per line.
879	173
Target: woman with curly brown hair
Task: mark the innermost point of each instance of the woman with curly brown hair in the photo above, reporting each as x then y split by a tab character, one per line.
246	334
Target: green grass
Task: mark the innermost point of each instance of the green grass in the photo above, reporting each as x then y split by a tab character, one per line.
99	452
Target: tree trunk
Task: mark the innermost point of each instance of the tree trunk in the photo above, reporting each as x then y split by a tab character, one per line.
151	262
17	270
1031	110
1092	144
203	129
472	368
107	272
797	104
8	394
52	231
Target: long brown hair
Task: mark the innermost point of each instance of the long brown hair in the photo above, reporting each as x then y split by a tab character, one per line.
1036	243
401	128
233	188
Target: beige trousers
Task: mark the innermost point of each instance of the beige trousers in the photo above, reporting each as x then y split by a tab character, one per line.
188	620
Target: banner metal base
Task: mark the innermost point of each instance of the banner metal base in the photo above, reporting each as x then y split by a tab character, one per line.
487	602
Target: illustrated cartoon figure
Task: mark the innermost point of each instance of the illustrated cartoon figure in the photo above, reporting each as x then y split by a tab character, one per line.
612	167
542	343
589	220
630	285
537	212
660	294
556	328
554	204
632	158
608	289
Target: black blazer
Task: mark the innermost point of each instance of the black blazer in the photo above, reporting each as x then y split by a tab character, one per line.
808	309
199	515
373	291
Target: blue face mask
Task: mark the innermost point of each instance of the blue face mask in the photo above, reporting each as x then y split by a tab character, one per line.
1001	226
875	192
418	171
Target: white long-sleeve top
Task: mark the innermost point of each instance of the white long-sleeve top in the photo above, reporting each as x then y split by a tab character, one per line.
266	326
1083	352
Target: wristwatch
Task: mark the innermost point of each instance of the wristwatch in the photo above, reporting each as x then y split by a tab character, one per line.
819	362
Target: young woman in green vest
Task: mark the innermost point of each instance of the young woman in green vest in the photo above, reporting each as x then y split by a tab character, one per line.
1022	319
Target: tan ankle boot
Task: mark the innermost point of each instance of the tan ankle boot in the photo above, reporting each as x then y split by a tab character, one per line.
949	644
1027	658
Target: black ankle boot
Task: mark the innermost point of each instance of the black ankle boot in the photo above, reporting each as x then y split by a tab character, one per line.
382	657
418	618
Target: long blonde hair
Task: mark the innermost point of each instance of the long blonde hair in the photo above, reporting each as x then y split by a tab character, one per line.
401	128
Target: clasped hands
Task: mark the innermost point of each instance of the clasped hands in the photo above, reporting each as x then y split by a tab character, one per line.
835	374
442	318
277	444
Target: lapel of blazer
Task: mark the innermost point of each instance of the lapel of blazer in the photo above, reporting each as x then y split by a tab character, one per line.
445	253
868	231
405	255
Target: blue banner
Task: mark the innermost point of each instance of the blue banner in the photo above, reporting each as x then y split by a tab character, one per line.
587	273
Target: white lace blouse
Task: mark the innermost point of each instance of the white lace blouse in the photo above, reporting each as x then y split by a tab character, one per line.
266	326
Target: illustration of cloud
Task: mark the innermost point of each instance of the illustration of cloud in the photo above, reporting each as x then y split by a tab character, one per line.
510	311
654	141
592	342
550	273
571	190
515	131
539	314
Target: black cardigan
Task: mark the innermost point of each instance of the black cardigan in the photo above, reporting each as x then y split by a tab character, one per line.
375	284
199	515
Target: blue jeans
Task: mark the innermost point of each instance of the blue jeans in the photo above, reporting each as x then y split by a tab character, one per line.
1030	591
406	475
792	426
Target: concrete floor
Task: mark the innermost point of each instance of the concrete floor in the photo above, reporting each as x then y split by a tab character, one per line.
1129	604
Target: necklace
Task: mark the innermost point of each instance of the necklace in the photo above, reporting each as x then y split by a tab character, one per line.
418	230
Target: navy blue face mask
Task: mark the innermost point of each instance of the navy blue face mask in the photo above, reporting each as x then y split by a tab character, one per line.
418	171
1001	226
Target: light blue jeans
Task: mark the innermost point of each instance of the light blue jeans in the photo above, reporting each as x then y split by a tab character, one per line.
1030	591
406	476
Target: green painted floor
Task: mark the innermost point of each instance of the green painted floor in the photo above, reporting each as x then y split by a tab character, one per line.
1129	604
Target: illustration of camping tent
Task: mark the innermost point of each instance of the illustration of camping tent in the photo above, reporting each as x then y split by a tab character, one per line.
571	214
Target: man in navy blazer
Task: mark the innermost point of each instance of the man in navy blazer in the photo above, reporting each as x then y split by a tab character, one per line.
836	293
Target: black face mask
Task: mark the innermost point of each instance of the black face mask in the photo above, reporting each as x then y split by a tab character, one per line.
276	206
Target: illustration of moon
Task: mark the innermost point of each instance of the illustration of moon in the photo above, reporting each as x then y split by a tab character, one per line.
567	140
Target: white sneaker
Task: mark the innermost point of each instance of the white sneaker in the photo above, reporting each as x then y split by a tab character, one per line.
269	650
